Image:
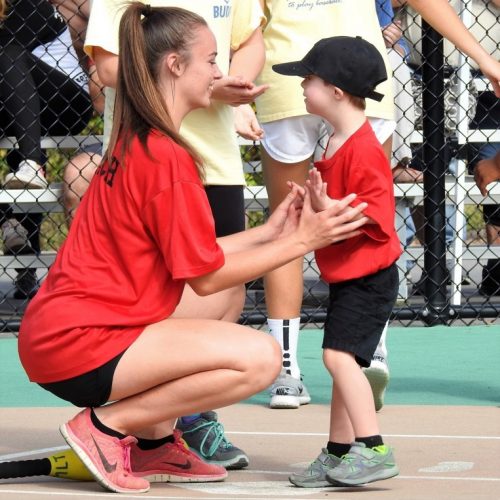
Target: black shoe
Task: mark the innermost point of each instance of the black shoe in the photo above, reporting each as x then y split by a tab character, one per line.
26	284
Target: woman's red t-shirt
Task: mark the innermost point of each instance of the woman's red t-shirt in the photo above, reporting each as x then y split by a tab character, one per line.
143	227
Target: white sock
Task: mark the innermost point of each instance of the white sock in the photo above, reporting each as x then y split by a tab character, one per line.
381	350
286	332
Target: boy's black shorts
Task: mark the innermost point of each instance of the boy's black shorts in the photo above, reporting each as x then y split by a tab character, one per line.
358	311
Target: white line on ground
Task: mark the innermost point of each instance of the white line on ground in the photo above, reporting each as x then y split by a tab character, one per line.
309	434
448	478
443	478
26	454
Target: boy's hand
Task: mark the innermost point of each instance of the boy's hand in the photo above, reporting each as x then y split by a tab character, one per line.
336	223
317	190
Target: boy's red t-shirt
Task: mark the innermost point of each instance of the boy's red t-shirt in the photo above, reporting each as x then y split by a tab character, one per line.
360	166
144	226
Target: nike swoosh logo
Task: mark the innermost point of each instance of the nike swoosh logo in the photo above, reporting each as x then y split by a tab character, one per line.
107	466
184	466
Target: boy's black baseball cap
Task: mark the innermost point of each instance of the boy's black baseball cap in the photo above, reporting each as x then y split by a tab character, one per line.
352	64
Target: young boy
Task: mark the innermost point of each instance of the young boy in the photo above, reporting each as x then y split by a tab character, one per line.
339	73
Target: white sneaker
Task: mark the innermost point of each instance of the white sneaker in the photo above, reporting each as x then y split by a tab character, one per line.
29	175
378	376
15	237
288	393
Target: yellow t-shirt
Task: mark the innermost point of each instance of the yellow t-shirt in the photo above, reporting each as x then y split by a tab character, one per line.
293	28
210	131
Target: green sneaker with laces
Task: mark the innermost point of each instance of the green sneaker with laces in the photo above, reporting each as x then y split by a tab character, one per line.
363	465
314	476
205	437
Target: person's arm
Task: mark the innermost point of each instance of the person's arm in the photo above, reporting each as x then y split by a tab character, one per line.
96	89
76	14
249	256
249	59
487	171
107	66
246	63
441	16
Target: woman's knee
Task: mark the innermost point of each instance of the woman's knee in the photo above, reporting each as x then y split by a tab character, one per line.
264	360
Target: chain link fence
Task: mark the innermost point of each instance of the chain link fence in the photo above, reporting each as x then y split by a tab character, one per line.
447	120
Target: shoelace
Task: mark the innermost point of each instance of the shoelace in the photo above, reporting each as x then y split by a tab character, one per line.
215	429
127	466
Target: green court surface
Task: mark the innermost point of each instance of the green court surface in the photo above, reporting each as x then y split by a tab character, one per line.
429	366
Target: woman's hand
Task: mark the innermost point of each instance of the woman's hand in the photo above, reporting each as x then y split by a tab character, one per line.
246	123
236	90
285	218
336	223
491	69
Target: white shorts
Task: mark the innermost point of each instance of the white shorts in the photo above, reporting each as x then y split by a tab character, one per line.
295	139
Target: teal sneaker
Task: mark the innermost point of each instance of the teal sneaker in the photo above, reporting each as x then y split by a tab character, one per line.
363	465
205	437
315	475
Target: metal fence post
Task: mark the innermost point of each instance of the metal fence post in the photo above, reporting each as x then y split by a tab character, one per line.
437	306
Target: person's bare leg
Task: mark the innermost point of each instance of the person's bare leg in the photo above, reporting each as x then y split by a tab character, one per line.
355	393
225	305
353	403
341	430
77	176
284	286
387	147
160	377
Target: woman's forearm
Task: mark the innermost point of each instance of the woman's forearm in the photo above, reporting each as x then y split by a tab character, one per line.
443	18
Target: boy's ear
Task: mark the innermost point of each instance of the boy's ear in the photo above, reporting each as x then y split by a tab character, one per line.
337	92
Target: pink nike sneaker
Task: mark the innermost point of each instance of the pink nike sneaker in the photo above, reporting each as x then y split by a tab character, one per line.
106	457
174	463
